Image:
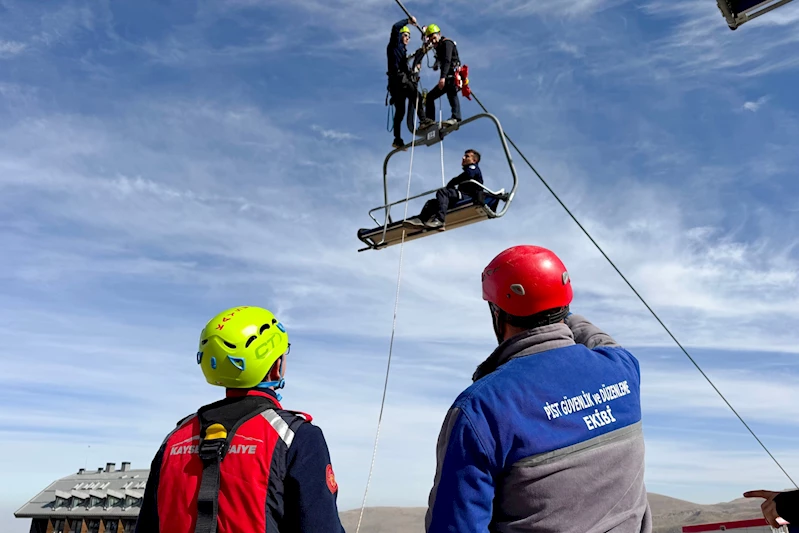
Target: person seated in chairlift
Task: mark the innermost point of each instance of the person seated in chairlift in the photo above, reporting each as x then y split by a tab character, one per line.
434	212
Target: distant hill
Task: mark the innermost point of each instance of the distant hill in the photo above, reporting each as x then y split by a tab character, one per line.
669	515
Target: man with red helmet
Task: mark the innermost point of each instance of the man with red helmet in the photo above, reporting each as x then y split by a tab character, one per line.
548	437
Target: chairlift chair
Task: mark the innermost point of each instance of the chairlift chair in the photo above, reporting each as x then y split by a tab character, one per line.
467	211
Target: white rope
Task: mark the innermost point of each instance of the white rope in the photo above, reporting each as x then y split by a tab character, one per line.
393	324
441	119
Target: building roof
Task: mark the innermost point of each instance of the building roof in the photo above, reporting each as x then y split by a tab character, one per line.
105	492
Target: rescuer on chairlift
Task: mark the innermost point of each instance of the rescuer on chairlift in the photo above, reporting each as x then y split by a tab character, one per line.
434	212
401	84
448	63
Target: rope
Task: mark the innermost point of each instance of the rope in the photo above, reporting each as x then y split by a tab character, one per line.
441	119
641	298
399	3
393	326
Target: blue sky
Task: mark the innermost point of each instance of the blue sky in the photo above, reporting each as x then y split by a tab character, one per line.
160	162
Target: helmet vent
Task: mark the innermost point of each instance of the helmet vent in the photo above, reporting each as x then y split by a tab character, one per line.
274	321
249	341
204	341
229	345
264	328
518	289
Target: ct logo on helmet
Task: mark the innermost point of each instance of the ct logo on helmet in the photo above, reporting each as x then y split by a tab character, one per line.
268	345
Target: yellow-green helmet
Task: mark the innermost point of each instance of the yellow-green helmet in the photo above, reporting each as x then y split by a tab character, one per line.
431	29
239	346
405	29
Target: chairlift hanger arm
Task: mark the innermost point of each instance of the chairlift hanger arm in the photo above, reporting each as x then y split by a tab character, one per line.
739	17
437	135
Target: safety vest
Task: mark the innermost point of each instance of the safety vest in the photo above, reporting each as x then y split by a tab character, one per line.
217	480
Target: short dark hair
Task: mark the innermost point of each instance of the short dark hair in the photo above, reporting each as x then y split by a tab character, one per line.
475	152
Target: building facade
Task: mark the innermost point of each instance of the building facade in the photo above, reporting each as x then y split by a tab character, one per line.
107	500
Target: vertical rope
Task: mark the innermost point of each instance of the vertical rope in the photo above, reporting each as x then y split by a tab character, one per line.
393	326
441	119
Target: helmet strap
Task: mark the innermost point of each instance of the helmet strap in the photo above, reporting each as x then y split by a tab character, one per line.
276	385
497	320
544	318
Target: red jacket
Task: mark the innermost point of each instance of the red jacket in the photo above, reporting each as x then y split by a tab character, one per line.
275	475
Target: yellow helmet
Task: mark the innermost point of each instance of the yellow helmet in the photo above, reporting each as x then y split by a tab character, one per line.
239	346
431	29
405	29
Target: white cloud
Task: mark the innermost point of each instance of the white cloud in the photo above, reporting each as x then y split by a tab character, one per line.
132	222
551	7
11	48
754	106
334	134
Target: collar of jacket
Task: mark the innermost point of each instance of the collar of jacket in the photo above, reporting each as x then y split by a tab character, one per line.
265	393
529	342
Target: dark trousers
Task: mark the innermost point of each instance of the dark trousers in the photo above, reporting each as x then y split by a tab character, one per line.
452	95
400	93
445	198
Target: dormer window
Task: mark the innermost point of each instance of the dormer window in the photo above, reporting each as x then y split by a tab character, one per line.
78	499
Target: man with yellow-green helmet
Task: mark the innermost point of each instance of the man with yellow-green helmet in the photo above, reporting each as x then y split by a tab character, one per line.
243	463
447	62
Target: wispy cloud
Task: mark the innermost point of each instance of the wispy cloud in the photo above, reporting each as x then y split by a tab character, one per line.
547	7
754	106
334	134
11	48
193	165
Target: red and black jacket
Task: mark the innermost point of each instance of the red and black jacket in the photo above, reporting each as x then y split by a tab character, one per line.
271	473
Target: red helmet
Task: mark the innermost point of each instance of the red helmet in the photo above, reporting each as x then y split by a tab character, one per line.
526	280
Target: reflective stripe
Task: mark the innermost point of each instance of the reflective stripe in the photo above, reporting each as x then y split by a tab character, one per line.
280	425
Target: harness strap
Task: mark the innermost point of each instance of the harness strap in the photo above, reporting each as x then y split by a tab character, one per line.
212	450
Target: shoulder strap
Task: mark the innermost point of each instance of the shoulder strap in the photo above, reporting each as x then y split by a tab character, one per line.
306	416
213	447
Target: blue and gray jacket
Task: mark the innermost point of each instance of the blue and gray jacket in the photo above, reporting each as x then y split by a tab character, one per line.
547	439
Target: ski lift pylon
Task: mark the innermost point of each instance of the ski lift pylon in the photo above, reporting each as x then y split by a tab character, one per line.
737	12
465	212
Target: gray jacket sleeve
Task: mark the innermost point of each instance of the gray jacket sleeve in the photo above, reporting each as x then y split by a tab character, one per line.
588	334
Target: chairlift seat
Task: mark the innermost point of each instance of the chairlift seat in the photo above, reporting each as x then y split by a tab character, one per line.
466	211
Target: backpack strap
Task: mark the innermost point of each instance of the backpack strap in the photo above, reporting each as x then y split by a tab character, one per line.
214	444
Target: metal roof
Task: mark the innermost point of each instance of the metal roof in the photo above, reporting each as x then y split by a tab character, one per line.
85	494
